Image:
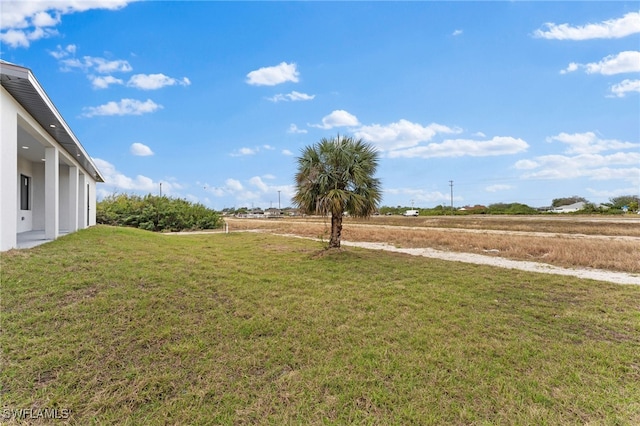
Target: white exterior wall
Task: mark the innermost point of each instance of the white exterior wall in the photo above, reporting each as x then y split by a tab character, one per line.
72	204
82	201
38	196
8	170
92	201
63	190
58	185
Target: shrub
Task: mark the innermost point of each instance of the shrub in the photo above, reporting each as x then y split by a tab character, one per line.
154	213
513	208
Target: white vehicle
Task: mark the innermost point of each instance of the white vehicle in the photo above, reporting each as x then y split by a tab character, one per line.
411	213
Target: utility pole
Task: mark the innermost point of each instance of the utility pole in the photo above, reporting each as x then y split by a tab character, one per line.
160	189
451	185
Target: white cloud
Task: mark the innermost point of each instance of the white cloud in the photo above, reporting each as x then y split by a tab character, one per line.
407	139
337	118
404	138
629	174
570	68
287	152
623	62
498	187
625	86
94	64
293	96
98	65
69	64
401	134
258	182
589	143
609	193
457	33
271	76
420	195
256	191
21	38
155	81
44	19
499	145
251	151
115	181
526	164
124	107
595	167
61	52
140	149
234	185
271	191
297	96
106	66
584	158
613	28
25	21
215	190
294	129
104	82
244	151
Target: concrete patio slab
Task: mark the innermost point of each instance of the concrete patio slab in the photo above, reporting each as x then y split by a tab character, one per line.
31	239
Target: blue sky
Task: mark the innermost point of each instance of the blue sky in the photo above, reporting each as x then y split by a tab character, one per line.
512	101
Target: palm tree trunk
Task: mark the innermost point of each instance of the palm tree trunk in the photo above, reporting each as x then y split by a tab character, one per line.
336	230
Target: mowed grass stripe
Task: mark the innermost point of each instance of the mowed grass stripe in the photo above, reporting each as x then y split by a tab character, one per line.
123	326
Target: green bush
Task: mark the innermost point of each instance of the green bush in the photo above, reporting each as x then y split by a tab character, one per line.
154	213
512	208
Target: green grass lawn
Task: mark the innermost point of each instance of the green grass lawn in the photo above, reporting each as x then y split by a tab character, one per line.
123	326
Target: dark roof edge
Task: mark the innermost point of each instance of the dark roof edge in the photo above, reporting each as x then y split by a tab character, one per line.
17	71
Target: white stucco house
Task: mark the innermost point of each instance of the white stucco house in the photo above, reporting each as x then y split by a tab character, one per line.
570	208
47	179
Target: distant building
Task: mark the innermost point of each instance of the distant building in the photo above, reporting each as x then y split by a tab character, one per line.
47	179
569	208
272	212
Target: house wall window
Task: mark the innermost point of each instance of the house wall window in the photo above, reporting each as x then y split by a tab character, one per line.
25	192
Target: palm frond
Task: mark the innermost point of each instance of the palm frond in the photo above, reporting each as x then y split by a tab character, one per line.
337	175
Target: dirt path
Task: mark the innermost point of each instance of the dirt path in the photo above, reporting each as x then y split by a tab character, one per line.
593	274
500	262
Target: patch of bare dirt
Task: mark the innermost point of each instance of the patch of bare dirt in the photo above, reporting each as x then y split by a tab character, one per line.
491	258
593	274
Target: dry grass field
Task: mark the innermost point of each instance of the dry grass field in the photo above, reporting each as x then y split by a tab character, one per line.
600	242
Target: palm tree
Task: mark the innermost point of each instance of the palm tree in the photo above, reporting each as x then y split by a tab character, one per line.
336	176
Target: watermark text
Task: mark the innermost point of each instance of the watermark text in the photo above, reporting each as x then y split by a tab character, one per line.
35	413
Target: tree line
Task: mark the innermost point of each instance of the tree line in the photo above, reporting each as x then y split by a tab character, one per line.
616	205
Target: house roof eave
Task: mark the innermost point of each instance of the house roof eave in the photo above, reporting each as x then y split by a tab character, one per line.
25	88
